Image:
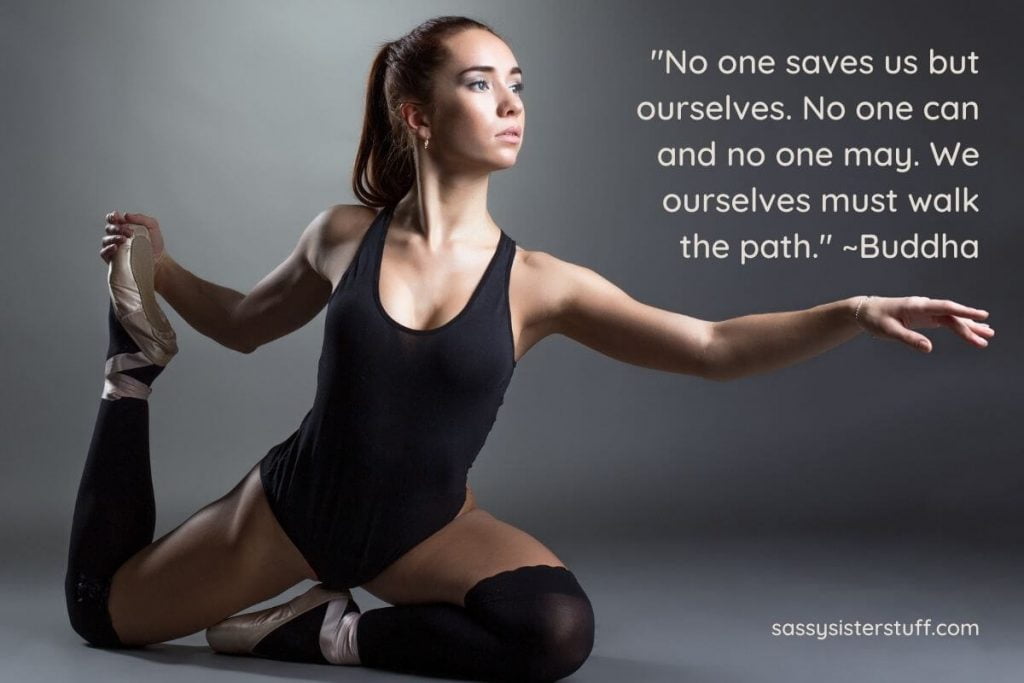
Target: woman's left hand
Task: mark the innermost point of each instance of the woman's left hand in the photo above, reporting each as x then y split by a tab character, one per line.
896	317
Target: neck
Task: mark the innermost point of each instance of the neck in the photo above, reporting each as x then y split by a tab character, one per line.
446	209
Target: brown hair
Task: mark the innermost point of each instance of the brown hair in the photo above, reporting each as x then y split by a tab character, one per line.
384	169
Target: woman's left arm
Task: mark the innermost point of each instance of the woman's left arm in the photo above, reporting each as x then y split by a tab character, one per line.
588	308
757	343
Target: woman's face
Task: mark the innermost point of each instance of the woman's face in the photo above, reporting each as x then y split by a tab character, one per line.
477	95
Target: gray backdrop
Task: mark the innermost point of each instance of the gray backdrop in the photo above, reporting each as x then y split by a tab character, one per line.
234	123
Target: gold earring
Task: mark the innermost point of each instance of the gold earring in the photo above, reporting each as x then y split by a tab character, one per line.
426	142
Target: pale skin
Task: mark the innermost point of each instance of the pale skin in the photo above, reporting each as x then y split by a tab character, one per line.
233	554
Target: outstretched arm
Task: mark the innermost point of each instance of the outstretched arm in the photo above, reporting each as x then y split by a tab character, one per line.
593	311
766	341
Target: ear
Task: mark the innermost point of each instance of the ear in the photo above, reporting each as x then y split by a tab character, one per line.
415	117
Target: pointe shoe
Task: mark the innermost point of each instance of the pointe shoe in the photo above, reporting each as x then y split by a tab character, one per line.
289	632
132	293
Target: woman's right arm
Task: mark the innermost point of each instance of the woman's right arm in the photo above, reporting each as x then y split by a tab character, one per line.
286	299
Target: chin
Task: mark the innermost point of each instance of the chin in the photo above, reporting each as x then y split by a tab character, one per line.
506	161
493	161
503	167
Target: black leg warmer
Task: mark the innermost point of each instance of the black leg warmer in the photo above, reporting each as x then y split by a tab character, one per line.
532	623
115	515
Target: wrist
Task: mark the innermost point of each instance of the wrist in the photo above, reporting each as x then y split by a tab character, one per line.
858	303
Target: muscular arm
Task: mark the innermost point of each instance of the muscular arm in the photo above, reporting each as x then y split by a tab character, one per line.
283	301
591	310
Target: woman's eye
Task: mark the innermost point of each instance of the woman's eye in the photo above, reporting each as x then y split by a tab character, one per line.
518	86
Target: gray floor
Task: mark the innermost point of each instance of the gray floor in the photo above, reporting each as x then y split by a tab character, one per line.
679	611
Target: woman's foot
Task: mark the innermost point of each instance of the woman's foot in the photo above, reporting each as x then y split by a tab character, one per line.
142	341
318	626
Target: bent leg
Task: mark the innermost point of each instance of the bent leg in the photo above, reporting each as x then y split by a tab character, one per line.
114	514
523	617
229	555
122	590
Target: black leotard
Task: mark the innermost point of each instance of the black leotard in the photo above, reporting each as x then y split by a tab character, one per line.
380	461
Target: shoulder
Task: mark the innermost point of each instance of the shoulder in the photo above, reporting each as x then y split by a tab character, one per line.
338	229
550	284
566	296
342	223
557	275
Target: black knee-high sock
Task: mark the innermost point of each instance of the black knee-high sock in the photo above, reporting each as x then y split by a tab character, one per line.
530	623
115	513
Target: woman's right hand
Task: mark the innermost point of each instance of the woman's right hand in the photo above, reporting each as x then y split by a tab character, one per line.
118	230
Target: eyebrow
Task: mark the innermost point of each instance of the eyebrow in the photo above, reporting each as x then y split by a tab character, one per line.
491	69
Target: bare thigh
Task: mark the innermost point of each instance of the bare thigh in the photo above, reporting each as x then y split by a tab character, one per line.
447	564
229	555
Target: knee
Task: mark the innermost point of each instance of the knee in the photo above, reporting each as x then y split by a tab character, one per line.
544	616
87	599
561	639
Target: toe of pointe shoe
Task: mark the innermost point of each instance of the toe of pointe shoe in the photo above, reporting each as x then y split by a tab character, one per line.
242	634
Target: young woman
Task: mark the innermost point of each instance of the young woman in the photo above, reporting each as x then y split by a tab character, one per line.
430	305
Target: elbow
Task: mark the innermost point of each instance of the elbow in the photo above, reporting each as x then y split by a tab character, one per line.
243	344
246	348
712	367
239	347
240	338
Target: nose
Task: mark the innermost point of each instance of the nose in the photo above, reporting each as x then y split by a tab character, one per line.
510	104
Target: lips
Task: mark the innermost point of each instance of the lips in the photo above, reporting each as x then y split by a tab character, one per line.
511	130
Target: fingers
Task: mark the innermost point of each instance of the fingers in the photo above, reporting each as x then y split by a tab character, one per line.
117	217
983	329
138	218
947	307
110	245
118	230
116	236
907	336
972	331
113	229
